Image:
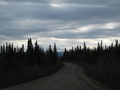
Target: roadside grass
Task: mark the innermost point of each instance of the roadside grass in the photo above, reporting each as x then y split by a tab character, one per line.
107	74
27	74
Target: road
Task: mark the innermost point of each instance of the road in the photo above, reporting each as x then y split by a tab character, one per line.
70	77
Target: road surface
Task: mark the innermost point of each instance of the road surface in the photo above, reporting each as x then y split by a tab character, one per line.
70	77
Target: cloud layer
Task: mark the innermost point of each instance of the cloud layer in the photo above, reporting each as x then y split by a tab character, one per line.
65	22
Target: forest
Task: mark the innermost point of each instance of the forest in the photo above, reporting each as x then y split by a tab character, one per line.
18	65
102	63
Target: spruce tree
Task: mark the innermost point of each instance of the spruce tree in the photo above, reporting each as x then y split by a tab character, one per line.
37	55
55	54
30	52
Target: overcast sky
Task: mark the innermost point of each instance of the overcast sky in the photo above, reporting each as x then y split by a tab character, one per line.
64	22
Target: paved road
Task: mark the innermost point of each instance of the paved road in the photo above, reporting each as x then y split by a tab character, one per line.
70	77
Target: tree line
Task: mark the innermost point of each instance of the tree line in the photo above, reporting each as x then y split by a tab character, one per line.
102	62
101	53
13	59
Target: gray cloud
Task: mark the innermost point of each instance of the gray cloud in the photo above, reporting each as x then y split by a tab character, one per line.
21	19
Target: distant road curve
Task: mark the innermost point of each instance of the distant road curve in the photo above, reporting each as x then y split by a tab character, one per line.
70	77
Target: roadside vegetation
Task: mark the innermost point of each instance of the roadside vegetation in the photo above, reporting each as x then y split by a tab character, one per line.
102	62
19	66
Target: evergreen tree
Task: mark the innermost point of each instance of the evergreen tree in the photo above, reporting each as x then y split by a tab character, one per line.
37	54
101	45
55	54
30	52
50	55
